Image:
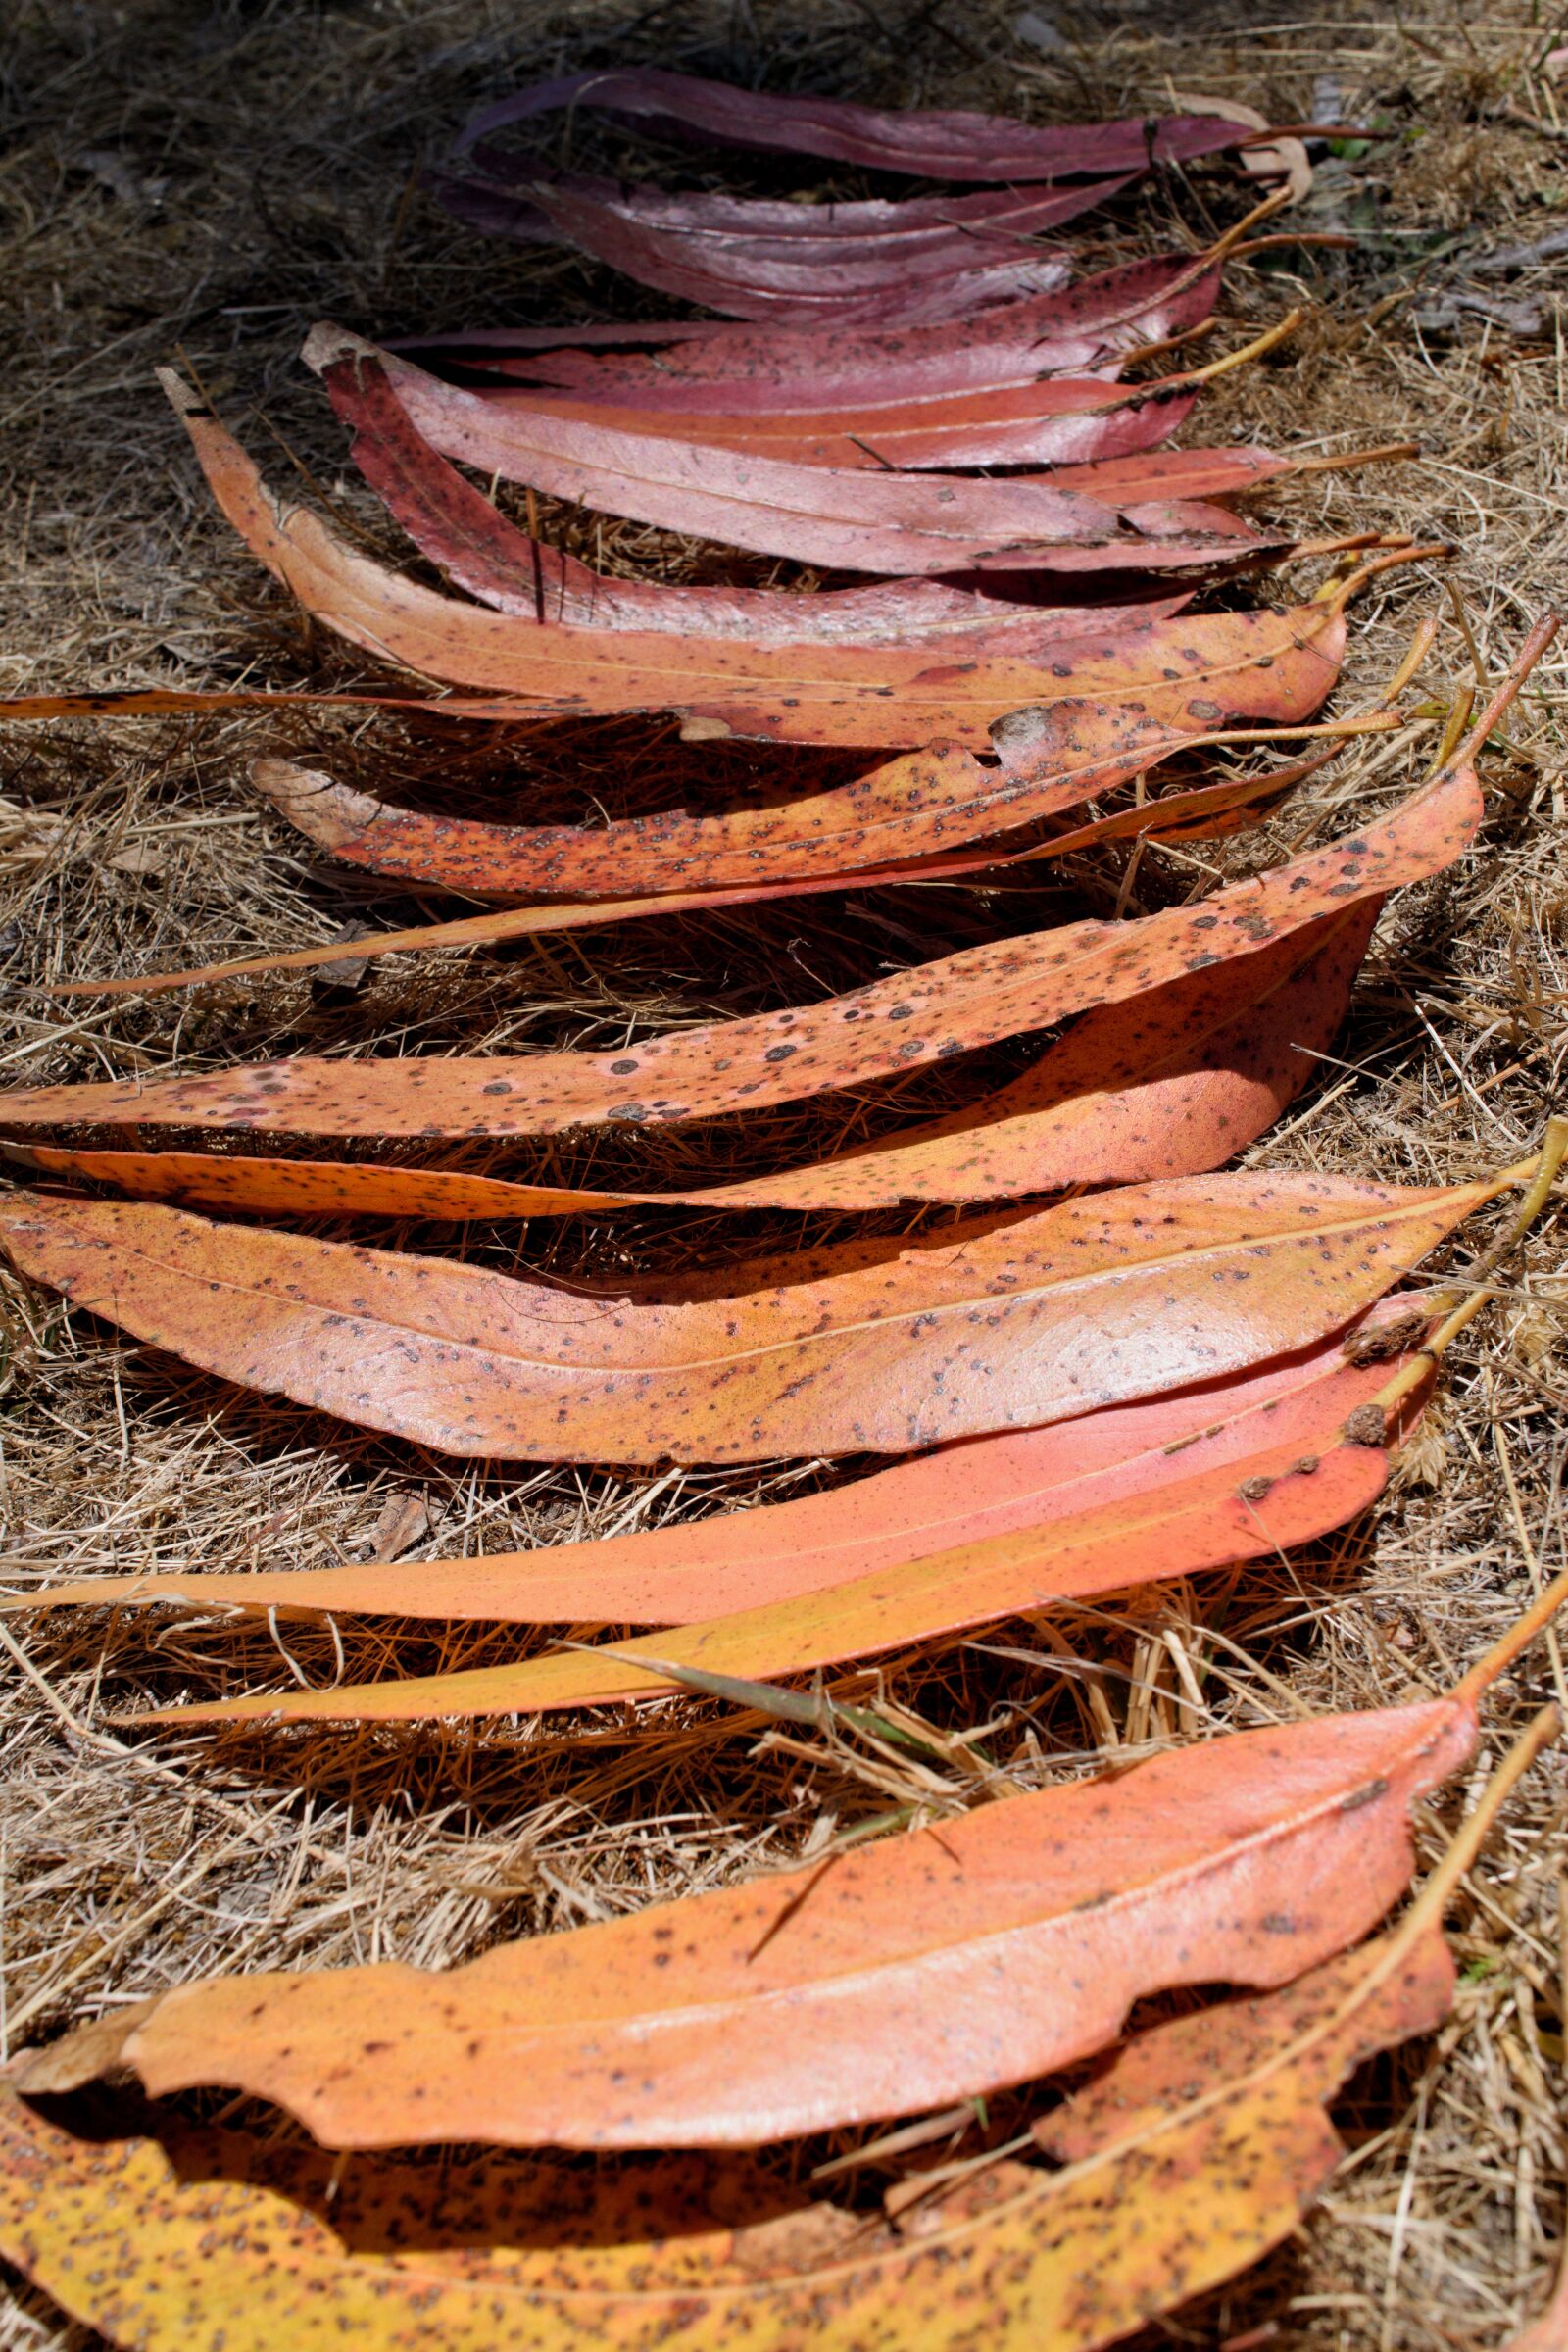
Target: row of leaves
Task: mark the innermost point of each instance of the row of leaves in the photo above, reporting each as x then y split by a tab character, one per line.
1187	1372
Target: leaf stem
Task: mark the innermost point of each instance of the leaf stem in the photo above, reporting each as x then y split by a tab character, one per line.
1541	1168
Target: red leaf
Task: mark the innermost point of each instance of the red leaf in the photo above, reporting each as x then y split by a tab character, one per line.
715	365
858	521
452	523
932	145
923	274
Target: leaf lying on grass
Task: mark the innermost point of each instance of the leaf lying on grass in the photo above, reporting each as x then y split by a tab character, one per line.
897	231
882	278
1209	1062
961	1494
1071	424
925	258
862	520
920	806
451	522
706	366
1196	2151
950	1963
1094	1302
976	997
934	143
1204	811
1196	1521
820	693
1041	424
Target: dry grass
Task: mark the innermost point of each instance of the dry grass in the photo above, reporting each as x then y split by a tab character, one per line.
260	157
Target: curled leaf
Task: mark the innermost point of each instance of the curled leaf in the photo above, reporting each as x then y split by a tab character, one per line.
864	520
997	990
774	269
1210	1061
921	806
702	367
934	144
1192	2154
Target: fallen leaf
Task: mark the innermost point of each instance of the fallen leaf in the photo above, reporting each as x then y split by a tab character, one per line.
1200	813
795	264
1184	2176
403	1521
1210	1061
839	1993
818	693
961	1494
921	805
452	523
830	693
1094	1302
931	145
145	860
863	521
1278	158
456	527
706	364
997	990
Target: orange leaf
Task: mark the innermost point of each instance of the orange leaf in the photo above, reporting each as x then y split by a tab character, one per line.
1210	1061
1203	812
949	1963
821	693
961	1494
1196	1520
918	806
201	2241
1194	2153
973	998
1094	1302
